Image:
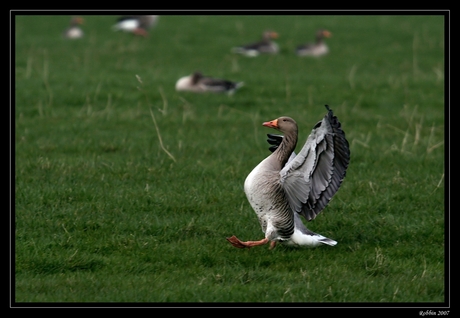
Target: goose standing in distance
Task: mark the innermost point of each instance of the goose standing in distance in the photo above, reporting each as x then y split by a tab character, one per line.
266	45
136	24
74	31
315	49
285	186
199	83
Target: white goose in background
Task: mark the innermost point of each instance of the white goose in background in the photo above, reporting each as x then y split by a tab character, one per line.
284	185
266	45
318	48
136	24
199	83
74	31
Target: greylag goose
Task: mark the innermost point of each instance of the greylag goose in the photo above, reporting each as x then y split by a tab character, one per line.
136	24
315	49
199	83
285	186
74	31
266	45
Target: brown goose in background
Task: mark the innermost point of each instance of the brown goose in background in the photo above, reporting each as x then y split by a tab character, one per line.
74	31
283	187
199	83
315	49
266	45
136	24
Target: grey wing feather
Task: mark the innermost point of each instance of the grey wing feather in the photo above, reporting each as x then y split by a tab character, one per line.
312	178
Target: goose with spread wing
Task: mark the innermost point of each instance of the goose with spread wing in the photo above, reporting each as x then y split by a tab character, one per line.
266	45
285	186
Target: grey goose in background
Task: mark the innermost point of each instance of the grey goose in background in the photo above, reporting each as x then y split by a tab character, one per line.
317	48
266	45
198	83
74	31
136	24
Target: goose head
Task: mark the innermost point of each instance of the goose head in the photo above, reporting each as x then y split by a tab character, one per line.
289	128
284	124
322	33
268	35
196	76
76	21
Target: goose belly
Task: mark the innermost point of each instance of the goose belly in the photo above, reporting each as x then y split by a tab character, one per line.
74	33
264	197
321	50
316	50
254	189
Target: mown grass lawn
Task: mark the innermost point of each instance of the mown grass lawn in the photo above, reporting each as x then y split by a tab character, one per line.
111	206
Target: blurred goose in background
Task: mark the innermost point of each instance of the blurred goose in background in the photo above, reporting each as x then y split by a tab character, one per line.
136	24
315	49
285	186
74	31
199	83
266	45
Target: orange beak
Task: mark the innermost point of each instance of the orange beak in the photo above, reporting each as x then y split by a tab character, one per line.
271	124
274	35
327	34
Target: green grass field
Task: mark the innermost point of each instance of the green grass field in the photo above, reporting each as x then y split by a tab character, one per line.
112	206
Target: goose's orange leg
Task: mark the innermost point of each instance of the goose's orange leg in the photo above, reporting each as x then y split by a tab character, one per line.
240	244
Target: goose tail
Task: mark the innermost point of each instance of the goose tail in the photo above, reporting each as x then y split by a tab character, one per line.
234	87
327	241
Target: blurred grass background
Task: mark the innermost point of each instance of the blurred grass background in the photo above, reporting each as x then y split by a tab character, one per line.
104	214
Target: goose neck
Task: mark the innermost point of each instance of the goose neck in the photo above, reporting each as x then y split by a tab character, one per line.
287	146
